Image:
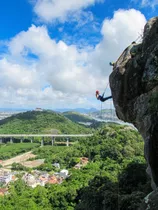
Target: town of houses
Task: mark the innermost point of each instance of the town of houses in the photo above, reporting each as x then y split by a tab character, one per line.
36	177
42	178
32	179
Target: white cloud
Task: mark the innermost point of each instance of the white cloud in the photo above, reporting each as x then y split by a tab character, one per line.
35	39
58	64
146	3
48	10
70	77
149	3
118	33
17	76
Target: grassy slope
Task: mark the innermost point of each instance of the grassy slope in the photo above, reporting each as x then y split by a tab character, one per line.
11	150
40	122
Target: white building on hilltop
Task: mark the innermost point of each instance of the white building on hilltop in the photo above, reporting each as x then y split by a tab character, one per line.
38	109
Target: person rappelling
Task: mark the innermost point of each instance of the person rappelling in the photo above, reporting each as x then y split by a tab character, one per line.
101	97
131	50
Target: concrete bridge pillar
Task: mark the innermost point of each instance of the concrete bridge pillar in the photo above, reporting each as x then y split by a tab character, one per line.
31	139
67	142
53	140
11	140
42	141
1	140
21	140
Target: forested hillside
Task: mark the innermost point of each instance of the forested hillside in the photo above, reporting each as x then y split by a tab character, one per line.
77	117
40	122
114	178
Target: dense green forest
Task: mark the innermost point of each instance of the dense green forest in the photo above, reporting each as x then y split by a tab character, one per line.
40	122
77	117
114	178
10	150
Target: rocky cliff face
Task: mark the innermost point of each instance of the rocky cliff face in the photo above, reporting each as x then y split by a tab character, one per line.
134	86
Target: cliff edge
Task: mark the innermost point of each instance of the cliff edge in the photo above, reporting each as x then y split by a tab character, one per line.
134	86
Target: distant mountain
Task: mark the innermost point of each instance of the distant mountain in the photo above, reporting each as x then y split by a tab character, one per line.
78	117
13	110
105	114
80	110
40	122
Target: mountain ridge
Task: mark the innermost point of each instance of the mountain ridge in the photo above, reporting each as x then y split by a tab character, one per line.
40	122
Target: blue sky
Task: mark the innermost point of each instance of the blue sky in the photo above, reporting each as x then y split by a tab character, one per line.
55	54
18	15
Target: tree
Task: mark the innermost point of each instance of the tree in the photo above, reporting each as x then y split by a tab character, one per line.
100	194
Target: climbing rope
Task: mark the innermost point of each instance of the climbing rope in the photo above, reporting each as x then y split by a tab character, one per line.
139	38
116	72
111	113
101	110
105	89
101	106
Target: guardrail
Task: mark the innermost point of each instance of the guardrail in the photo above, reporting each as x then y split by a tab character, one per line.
45	135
